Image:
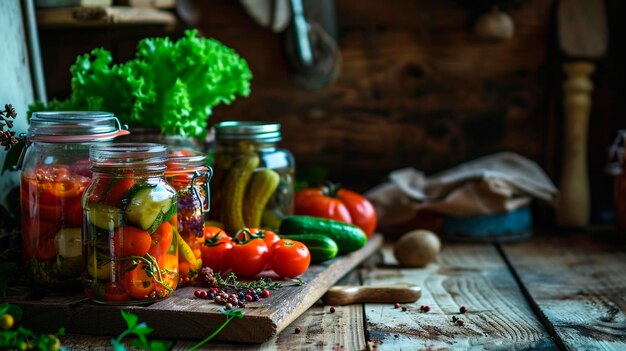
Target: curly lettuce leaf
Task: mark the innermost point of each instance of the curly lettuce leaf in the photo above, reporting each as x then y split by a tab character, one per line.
169	85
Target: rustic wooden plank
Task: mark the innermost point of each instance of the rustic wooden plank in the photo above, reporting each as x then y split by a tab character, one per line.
183	316
320	329
578	283
471	275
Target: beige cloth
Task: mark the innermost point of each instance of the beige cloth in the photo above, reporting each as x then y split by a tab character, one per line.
492	184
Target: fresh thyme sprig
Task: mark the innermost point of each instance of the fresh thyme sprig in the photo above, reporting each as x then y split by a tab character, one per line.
231	281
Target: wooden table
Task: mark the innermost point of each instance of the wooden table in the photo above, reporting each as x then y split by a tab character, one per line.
561	291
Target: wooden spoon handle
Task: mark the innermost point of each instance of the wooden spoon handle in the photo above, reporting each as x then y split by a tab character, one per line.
346	294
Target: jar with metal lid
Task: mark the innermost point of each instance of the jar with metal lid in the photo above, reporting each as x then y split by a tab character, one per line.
130	252
254	179
55	173
188	173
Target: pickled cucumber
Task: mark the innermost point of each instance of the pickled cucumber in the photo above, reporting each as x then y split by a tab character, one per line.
233	192
262	186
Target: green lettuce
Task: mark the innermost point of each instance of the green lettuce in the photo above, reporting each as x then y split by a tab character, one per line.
170	85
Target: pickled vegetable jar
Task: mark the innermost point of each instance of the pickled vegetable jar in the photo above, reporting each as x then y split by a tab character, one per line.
55	173
188	174
130	252
253	177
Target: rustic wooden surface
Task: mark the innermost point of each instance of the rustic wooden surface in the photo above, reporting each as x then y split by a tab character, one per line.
565	292
468	275
185	317
578	284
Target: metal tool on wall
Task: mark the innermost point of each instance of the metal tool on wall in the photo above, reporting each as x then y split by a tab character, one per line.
582	33
311	46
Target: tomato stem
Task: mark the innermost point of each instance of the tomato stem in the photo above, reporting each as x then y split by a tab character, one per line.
331	189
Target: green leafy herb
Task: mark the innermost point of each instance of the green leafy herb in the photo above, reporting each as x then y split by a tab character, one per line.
232	281
139	330
169	85
230	315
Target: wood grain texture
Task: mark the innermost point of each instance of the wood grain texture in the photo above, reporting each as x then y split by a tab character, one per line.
183	316
420	94
468	275
579	285
320	329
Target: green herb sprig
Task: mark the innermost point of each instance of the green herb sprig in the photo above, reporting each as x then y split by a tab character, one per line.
262	283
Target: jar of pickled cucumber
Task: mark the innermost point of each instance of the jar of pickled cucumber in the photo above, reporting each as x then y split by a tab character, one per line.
130	252
188	174
55	173
254	179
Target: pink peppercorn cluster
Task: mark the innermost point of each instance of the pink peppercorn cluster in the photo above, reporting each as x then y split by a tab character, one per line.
229	301
206	275
424	308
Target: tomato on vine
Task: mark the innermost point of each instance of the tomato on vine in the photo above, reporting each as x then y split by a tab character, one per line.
267	235
249	257
290	258
216	249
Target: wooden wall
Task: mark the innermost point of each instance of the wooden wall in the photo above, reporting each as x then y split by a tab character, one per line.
417	88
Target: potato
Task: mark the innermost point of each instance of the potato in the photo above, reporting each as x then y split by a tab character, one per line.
417	248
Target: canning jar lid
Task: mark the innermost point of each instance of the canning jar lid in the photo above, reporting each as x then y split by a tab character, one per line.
74	126
125	155
247	130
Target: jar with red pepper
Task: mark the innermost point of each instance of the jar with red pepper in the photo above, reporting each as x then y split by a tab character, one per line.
130	251
55	173
188	173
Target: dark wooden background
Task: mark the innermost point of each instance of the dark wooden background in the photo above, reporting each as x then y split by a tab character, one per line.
417	88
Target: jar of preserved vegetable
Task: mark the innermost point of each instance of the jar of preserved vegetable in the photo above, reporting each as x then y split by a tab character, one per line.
55	173
188	174
130	253
253	177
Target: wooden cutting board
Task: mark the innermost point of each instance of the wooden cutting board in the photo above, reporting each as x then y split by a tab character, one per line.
182	316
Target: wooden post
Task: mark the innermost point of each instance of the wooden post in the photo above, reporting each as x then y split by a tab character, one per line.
573	205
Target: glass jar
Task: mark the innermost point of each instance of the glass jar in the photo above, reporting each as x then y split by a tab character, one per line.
55	173
130	251
254	179
188	174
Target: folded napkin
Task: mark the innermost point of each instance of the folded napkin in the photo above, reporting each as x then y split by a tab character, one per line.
496	183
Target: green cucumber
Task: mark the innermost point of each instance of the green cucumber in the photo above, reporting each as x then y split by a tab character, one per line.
148	206
348	237
103	216
321	247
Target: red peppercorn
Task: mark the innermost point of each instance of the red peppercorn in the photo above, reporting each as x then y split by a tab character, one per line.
404	308
426	309
248	297
203	294
228	306
332	310
265	294
396	305
241	304
463	309
297	330
196	293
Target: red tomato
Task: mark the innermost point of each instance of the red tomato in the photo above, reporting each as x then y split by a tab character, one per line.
267	235
116	190
163	236
249	258
338	204
137	282
81	167
216	249
131	241
74	213
115	292
290	258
